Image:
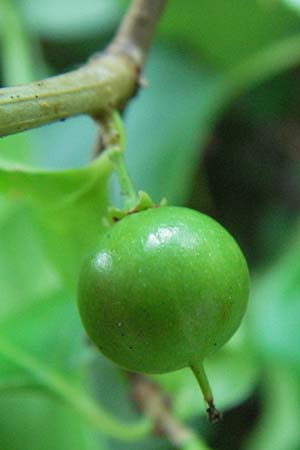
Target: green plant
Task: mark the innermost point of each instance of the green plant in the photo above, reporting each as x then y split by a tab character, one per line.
216	130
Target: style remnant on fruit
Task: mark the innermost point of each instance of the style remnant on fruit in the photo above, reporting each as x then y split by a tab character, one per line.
165	288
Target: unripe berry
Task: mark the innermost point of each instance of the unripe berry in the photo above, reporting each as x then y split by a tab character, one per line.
165	288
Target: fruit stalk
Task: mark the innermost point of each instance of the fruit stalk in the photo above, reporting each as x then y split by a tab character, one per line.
113	138
127	189
213	414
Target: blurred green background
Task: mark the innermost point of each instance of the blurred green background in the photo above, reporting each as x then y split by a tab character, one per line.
218	129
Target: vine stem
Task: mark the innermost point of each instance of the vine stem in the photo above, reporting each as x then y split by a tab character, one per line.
91	412
113	138
134	35
127	189
108	80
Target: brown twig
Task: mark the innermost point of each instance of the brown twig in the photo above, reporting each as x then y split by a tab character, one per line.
136	30
154	404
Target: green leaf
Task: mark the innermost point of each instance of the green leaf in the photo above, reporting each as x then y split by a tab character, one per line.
278	425
35	422
69	206
42	325
45	343
49	329
229	32
274	308
21	282
70	393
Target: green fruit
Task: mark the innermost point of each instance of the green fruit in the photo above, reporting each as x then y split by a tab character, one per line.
165	288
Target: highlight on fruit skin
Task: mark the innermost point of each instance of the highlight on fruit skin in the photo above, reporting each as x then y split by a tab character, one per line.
164	288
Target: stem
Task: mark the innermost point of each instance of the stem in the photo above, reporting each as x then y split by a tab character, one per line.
117	124
92	88
107	81
91	412
127	189
213	414
135	32
113	136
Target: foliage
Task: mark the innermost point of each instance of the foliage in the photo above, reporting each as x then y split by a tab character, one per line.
217	129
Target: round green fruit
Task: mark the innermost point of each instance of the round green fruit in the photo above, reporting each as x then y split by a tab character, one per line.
165	288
